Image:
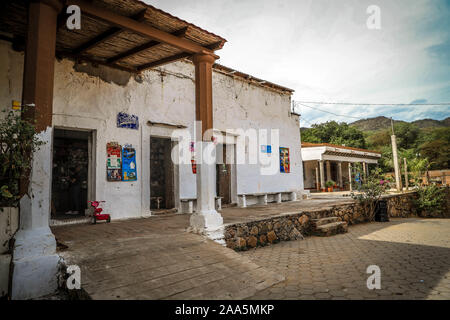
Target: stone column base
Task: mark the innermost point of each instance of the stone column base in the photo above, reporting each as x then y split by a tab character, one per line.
35	264
208	224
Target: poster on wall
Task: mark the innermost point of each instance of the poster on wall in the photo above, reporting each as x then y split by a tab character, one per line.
113	162
128	121
284	160
193	163
129	163
266	148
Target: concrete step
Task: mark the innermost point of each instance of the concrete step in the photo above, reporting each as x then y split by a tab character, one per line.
330	229
322	221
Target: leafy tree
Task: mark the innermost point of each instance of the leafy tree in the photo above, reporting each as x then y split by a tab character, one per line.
334	133
437	152
406	134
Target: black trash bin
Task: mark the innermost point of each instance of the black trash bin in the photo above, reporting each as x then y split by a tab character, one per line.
381	214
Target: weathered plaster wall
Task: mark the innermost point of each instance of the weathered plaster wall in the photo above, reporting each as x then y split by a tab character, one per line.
86	102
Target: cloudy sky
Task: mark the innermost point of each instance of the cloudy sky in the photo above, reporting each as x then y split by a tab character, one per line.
324	50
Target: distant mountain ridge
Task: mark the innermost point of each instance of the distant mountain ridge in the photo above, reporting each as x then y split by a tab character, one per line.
381	122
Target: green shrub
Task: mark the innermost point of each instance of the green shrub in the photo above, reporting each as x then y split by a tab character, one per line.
370	193
430	199
18	141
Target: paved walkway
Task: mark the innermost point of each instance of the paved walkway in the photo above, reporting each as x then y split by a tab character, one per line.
155	259
413	255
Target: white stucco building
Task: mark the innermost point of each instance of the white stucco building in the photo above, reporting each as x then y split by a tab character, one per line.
106	99
87	101
324	162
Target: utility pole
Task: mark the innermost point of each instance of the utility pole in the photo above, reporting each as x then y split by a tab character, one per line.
406	173
395	159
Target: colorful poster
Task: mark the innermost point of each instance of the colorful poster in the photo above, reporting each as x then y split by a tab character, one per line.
193	163
128	121
113	162
284	160
129	163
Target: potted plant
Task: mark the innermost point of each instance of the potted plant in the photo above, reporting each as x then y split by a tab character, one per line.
18	141
330	184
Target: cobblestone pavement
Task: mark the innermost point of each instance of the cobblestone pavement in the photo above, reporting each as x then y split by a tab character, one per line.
155	258
413	254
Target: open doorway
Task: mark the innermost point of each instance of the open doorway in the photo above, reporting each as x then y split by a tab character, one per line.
72	169
223	175
162	186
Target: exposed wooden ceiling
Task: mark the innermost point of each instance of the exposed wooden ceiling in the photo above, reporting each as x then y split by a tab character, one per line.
124	34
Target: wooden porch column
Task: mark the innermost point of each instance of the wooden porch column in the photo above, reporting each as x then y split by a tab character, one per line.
340	174
203	92
35	262
206	219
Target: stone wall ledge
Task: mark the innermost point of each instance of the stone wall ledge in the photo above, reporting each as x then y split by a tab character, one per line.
296	225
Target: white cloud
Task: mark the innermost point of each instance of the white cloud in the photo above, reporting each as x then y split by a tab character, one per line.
323	49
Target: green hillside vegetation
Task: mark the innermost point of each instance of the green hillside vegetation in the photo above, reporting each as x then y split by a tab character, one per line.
424	143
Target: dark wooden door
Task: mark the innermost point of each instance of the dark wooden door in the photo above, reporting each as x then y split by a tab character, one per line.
223	178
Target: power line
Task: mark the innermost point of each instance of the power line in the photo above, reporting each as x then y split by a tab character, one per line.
335	114
379	104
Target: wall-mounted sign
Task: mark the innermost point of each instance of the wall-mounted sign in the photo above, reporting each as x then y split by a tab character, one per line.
266	148
16	105
284	160
128	121
113	161
129	163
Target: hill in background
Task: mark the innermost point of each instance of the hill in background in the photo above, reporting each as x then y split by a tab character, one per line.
380	123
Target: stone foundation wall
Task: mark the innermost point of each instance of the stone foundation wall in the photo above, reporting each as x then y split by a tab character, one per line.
298	225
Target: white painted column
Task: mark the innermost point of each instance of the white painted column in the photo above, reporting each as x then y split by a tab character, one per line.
398	182
340	174
322	175
364	170
350	176
206	219
317	179
328	171
34	256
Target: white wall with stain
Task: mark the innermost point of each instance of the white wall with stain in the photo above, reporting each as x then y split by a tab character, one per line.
86	102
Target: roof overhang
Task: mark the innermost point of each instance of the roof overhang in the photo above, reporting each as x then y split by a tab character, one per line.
339	154
123	34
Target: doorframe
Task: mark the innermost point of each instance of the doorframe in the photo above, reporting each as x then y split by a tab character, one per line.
92	156
176	170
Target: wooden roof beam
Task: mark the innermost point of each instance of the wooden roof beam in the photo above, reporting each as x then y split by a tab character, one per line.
163	61
143	47
143	29
108	34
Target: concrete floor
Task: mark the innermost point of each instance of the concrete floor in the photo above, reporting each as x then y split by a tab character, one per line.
155	258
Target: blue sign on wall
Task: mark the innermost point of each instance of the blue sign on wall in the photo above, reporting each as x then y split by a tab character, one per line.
128	121
129	170
266	148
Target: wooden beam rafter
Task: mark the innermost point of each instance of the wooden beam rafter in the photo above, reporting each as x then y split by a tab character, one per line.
163	61
108	34
143	29
148	45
